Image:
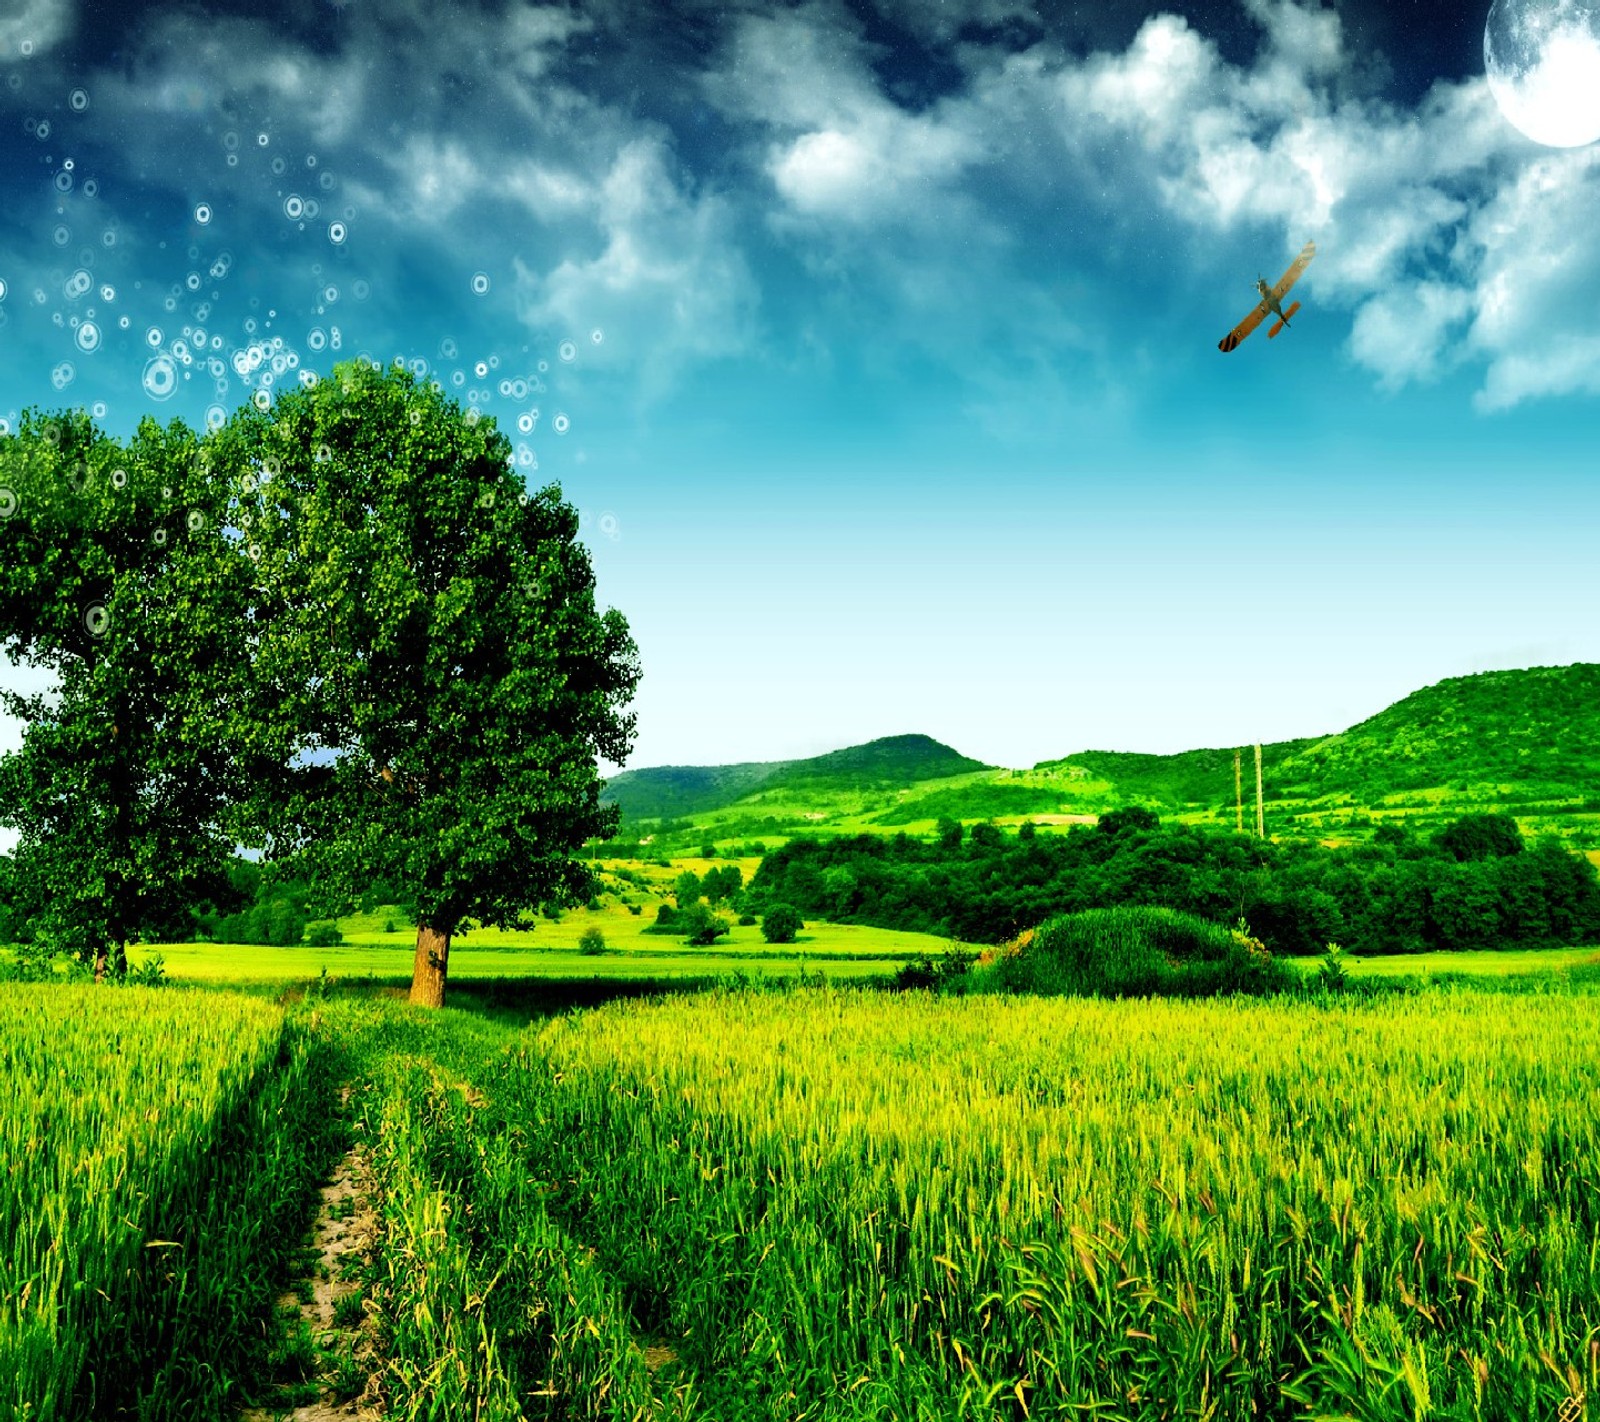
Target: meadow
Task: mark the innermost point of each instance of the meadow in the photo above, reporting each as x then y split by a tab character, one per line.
158	1151
832	1204
781	1201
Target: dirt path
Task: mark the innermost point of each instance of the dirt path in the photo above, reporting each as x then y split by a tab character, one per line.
329	1366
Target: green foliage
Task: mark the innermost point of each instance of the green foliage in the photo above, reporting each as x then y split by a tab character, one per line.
947	973
747	920
444	637
1297	896
686	888
947	833
700	925
591	942
1475	837
985	836
1134	819
323	934
722	883
708	850
114	577
1140	952
781	924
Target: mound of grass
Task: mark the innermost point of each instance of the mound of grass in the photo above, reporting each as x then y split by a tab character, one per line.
1139	952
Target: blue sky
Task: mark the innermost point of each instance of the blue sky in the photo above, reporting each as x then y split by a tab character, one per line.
892	400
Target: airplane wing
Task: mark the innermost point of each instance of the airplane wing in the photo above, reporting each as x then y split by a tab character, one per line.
1243	329
1290	277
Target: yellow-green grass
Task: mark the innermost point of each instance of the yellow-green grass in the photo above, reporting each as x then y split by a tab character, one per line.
1508	963
550	950
151	1162
857	1206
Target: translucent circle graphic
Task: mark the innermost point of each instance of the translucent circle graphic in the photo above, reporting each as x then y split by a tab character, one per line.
96	620
160	377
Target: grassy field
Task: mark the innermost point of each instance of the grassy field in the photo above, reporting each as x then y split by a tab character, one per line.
836	1205
380	945
1513	963
158	1153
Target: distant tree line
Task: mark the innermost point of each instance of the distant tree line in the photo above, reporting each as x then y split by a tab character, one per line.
1477	884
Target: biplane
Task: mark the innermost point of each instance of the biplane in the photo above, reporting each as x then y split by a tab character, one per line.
1271	300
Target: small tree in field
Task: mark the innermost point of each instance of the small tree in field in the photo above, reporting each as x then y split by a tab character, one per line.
431	667
781	924
686	888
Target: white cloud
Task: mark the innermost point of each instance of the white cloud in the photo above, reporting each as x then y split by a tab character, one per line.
32	27
669	283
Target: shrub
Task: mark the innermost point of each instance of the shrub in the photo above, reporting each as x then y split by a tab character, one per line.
747	920
782	924
947	973
1481	837
636	909
591	942
324	934
1129	817
1139	952
701	926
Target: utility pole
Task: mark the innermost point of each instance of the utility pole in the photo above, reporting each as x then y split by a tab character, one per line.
1261	823
1238	796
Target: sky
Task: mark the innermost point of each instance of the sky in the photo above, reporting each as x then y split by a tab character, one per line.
876	340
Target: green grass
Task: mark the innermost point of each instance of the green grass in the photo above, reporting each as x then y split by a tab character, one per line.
1511	963
158	1151
847	1206
550	950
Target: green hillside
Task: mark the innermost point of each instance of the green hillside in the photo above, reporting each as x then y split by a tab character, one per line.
890	763
1534	732
1525	742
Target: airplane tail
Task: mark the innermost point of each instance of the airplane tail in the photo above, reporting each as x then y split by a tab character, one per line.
1279	325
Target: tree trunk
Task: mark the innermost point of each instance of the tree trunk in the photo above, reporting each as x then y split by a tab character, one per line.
100	963
431	965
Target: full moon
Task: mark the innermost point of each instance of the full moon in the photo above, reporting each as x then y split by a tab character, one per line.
1543	63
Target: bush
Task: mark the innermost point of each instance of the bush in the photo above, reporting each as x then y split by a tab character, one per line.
324	934
948	973
701	926
666	920
1139	952
591	942
1129	817
1474	837
636	909
747	920
781	925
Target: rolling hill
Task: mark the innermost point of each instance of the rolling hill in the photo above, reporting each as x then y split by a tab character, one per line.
1527	742
891	763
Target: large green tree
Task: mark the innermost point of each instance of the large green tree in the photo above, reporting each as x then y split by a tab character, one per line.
114	578
432	673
